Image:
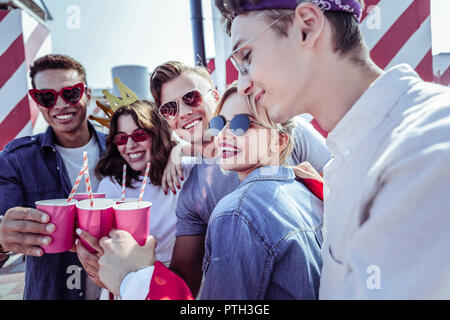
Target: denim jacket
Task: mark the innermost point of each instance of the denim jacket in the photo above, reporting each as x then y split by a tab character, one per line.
31	169
263	240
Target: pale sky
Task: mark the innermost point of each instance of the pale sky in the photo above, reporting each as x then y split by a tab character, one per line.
106	33
117	32
440	25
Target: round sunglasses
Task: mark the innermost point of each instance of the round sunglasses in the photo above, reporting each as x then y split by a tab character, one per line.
138	136
47	98
238	125
192	99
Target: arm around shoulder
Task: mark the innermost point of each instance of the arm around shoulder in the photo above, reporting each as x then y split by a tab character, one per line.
309	145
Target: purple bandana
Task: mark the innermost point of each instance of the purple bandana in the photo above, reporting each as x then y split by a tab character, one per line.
351	6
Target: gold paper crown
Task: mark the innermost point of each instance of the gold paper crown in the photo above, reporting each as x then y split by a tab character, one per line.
128	97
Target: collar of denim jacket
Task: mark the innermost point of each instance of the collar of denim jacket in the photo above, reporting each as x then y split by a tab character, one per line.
270	173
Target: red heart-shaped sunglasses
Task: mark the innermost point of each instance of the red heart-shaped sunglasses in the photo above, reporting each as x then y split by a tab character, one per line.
47	98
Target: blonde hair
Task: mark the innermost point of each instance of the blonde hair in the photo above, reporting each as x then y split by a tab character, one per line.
261	116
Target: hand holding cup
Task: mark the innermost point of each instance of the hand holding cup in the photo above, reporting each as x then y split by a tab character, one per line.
24	230
122	255
89	260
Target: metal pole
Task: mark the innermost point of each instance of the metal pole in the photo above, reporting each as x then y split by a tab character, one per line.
197	32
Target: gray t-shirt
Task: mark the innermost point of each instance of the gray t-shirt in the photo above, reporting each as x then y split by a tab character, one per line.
208	183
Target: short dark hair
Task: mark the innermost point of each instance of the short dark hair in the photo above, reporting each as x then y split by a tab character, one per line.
56	62
347	34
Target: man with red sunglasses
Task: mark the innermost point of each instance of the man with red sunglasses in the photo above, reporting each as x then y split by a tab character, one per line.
45	166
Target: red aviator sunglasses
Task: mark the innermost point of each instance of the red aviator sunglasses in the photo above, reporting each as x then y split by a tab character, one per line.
192	99
47	98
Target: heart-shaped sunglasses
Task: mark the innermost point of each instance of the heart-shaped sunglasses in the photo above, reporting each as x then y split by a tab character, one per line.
47	98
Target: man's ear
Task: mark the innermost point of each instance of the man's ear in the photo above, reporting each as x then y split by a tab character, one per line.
88	93
310	20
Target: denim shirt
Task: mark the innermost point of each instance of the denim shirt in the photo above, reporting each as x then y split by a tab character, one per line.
31	169
263	240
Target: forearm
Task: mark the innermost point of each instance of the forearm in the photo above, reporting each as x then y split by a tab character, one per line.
187	260
206	149
191	275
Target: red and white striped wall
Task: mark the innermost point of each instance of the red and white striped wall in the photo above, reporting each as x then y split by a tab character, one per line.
22	40
443	78
399	32
395	31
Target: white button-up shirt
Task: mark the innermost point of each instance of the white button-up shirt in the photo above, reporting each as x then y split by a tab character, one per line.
387	194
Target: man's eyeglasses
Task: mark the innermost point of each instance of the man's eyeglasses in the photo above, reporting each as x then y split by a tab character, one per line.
238	125
244	66
47	98
192	99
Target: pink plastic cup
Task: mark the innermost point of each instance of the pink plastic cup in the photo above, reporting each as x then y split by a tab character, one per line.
98	220
119	200
84	196
62	215
134	218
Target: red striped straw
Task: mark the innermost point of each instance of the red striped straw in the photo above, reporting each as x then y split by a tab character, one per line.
124	180
80	176
144	183
88	181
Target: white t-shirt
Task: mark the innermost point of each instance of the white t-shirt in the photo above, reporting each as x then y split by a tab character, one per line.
162	213
73	160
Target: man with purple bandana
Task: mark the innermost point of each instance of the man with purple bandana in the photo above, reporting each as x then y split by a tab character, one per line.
385	225
351	6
